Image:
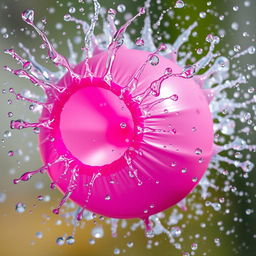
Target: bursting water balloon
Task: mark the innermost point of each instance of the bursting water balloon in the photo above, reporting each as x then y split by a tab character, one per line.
126	131
131	153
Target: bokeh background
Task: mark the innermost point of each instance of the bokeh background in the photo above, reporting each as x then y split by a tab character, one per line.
34	232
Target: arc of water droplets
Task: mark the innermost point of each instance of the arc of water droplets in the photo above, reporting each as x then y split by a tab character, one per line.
182	39
24	74
132	171
58	59
89	193
132	85
116	43
21	124
19	96
38	70
28	175
146	32
71	187
88	39
155	87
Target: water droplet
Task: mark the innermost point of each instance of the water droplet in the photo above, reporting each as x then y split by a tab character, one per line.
199	51
139	42
67	17
7	134
154	60
174	97
179	4
39	235
184	170
10	153
28	16
117	251
20	207
188	71
72	10
202	15
195	179
130	244
91	241
235	8
2	197
198	151
60	241
251	50
97	232
173	164
176	231
121	8
194	246
70	240
107	197
123	125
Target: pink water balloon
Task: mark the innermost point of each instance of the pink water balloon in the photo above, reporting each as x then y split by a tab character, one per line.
127	157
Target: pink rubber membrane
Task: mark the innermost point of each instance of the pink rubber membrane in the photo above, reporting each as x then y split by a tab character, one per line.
132	158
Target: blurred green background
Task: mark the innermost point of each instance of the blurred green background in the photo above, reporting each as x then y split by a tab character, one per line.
235	229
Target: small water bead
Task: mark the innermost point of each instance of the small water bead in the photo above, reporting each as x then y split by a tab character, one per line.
194	246
154	60
186	254
188	71
107	197
174	97
179	4
194	129
216	206
235	26
10	153
247	3
184	170
60	241
20	207
249	211
199	51
235	8
58	26
201	160
121	8
117	251
72	10
40	198
92	241
198	151
67	17
39	235
2	197
123	125
176	231
209	38
28	16
237	48
195	179
130	244
3	30
173	164
97	232
251	50
202	15
70	240
7	134
139	42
